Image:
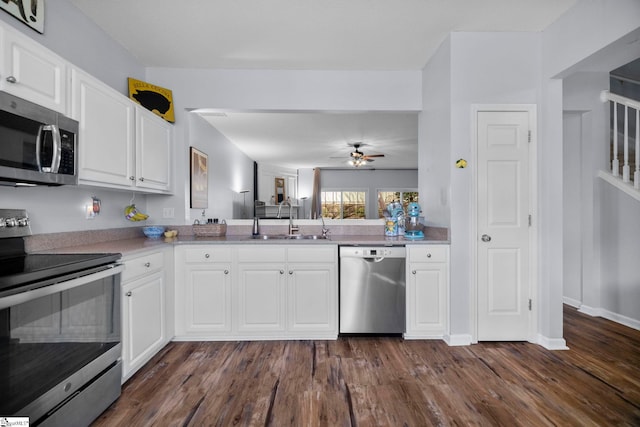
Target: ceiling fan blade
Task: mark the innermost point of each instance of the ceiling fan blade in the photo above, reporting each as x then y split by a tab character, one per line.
368	156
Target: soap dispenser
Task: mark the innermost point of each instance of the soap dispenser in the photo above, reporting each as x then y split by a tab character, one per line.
256	229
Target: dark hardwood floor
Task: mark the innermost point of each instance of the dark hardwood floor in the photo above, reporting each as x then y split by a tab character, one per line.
391	382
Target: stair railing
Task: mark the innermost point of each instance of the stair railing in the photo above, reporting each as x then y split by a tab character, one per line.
626	104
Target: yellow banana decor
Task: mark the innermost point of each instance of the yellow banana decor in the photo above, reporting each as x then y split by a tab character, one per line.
133	214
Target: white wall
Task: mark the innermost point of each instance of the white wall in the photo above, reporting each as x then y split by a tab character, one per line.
594	36
572	212
586	131
230	171
620	238
434	135
275	90
486	68
61	209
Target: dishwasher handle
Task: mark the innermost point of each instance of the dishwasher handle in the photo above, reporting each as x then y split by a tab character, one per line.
374	259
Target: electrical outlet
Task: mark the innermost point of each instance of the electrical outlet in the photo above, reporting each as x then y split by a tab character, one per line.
168	213
90	213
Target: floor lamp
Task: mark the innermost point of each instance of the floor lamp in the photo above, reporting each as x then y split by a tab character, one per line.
244	202
304	207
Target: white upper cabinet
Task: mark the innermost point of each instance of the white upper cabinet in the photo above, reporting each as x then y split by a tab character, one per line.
153	151
106	137
32	72
121	145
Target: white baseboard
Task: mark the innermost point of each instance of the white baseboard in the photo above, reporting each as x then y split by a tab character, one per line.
609	315
591	311
572	302
552	343
458	339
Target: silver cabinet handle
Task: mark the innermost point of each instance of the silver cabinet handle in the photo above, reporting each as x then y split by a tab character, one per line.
290	271
226	272
132	178
281	271
429	255
11	79
486	238
413	272
141	178
128	294
207	256
147	264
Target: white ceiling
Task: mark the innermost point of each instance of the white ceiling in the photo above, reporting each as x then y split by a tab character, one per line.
322	139
309	35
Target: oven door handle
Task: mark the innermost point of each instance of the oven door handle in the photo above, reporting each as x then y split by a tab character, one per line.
22	297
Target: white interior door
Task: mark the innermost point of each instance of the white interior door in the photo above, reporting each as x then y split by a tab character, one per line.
503	225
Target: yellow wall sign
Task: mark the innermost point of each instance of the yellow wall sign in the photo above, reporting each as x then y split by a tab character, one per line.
153	98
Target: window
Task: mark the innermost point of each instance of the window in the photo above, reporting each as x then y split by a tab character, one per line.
387	196
342	204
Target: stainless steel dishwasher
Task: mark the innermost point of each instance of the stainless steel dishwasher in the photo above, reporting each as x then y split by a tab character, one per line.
372	289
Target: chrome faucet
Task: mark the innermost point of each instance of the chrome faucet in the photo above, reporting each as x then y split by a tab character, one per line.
325	230
292	228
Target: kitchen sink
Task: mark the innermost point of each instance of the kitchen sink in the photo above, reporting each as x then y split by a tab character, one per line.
289	237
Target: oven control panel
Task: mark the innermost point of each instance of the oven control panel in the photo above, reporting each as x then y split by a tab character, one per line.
14	223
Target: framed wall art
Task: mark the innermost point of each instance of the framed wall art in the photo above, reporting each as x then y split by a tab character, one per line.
199	179
30	12
154	98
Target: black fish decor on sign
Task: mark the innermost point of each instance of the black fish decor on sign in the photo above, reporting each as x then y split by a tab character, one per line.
30	12
153	98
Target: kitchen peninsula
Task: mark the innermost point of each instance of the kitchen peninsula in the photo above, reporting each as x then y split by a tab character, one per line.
236	287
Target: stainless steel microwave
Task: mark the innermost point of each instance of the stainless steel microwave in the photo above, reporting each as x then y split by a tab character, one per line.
37	145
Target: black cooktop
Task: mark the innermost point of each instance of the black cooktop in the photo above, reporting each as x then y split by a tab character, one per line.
22	272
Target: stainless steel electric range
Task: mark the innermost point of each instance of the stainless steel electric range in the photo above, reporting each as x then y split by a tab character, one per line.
60	350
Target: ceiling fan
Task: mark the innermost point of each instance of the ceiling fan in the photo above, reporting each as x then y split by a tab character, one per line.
358	158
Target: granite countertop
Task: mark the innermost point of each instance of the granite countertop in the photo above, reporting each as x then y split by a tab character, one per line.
129	245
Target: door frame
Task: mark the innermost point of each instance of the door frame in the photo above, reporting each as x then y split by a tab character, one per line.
533	203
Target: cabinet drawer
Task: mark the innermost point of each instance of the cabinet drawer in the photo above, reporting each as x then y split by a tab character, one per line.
208	254
319	253
428	253
142	265
261	253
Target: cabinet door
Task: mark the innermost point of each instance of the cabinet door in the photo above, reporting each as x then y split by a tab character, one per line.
143	320
261	297
207	298
312	297
153	156
106	138
33	72
427	299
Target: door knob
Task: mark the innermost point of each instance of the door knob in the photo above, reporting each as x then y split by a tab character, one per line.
486	238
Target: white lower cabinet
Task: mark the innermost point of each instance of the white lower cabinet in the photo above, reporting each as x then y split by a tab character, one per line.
269	292
260	299
313	292
145	317
203	297
427	291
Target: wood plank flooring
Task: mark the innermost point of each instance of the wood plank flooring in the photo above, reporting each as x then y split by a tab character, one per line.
390	382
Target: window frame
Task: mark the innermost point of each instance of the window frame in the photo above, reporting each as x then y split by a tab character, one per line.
402	191
346	190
